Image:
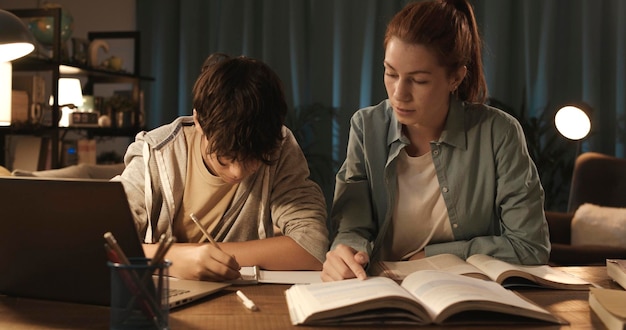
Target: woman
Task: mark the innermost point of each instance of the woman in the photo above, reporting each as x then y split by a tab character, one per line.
439	171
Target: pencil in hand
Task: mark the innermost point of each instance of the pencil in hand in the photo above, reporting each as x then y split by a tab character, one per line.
204	232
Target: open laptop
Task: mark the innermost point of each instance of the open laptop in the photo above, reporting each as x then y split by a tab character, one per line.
52	245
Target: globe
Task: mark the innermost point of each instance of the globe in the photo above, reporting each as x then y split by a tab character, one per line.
43	28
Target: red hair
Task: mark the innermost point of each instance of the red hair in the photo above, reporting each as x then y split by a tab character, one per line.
448	28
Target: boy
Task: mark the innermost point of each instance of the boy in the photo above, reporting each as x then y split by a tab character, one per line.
238	169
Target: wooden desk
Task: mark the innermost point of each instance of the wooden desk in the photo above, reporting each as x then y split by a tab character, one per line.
224	311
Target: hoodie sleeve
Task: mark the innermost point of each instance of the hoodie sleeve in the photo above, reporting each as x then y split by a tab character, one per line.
297	204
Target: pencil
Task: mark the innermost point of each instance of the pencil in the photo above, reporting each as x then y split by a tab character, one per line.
204	232
108	236
164	246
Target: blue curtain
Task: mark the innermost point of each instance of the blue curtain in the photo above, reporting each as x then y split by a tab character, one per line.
539	54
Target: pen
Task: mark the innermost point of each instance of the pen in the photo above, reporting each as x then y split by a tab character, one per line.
246	301
204	232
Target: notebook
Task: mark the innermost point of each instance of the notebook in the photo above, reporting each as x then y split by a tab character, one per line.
52	245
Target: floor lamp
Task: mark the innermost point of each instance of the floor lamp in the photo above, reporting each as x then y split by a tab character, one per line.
573	121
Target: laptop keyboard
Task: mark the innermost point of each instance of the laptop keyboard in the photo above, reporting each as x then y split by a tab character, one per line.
176	292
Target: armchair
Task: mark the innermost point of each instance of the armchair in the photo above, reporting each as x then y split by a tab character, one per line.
597	179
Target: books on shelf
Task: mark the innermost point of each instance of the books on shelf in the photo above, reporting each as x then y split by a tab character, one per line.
255	275
487	268
610	307
616	269
423	297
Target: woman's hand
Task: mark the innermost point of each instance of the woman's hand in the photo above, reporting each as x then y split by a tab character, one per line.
344	262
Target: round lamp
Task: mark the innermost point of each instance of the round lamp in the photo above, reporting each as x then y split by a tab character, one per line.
573	122
15	39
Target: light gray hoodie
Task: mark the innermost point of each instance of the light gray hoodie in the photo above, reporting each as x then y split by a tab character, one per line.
278	195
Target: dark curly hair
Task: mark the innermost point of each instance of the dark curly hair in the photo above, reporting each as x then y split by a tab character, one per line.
241	107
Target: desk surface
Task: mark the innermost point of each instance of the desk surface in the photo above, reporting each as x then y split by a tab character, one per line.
224	311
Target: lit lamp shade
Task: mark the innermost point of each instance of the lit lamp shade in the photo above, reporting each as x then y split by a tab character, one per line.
70	92
15	39
70	97
5	93
573	122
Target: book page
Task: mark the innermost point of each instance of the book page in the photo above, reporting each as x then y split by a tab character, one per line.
444	294
290	277
398	270
612	300
544	275
254	275
249	275
332	302
616	269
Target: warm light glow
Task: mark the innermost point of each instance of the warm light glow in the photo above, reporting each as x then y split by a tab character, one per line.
15	39
9	52
70	92
5	93
65	69
70	97
572	122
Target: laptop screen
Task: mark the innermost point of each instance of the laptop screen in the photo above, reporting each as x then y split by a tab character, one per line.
51	241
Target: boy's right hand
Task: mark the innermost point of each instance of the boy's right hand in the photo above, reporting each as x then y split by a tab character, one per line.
202	262
344	262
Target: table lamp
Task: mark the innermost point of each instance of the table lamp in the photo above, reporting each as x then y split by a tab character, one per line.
15	41
70	98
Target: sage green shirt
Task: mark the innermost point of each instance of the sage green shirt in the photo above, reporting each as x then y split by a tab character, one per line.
490	185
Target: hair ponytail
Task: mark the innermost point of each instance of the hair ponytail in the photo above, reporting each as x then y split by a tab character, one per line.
475	76
448	27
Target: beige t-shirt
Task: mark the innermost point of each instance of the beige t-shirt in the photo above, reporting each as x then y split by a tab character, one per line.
206	196
420	216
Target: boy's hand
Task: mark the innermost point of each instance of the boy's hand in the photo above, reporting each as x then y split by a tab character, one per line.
202	262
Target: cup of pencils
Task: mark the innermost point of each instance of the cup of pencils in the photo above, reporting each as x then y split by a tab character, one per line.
139	290
139	297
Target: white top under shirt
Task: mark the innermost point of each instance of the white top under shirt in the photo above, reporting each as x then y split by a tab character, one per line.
420	216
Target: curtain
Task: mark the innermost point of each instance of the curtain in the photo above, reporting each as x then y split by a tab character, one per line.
539	54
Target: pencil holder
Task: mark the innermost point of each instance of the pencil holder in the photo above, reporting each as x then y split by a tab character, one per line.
139	295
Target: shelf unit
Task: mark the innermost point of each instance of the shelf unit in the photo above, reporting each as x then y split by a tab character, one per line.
59	67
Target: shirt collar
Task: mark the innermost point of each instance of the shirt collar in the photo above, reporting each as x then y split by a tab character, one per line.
453	131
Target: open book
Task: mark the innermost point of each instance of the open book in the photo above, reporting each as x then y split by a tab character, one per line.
484	267
422	298
255	275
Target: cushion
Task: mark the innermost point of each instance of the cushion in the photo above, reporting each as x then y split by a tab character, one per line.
599	225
